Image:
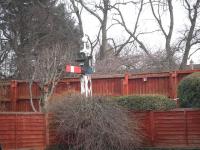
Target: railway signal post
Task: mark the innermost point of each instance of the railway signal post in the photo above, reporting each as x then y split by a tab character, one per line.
84	68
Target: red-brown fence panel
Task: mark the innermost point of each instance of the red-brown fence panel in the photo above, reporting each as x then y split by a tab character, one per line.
193	128
149	84
22	130
111	86
169	129
178	128
17	97
144	127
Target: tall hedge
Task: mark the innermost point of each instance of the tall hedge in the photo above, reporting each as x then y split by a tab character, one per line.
189	91
146	102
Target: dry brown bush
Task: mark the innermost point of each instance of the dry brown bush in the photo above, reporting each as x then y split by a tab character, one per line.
4	95
3	107
96	123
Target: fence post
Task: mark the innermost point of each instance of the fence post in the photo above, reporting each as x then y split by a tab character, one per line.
173	85
152	127
13	95
125	85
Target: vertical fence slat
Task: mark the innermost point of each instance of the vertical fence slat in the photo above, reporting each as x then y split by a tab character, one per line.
46	117
13	95
152	127
186	127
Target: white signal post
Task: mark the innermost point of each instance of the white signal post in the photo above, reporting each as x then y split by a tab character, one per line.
86	85
86	81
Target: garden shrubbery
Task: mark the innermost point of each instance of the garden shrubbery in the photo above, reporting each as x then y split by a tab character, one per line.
95	123
146	102
189	91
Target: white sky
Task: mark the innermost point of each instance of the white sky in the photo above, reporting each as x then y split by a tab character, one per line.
153	41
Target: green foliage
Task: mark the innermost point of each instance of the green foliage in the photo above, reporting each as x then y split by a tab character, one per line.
147	102
189	91
35	25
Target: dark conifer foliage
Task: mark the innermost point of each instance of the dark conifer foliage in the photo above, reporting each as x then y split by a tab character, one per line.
26	27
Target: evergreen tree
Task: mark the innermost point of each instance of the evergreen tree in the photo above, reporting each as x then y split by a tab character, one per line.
27	26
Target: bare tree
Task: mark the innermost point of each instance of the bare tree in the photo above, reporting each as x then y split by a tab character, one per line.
49	68
109	65
77	11
159	9
103	8
167	34
191	34
133	33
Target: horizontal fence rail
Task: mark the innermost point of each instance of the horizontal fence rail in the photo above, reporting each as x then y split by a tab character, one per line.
14	95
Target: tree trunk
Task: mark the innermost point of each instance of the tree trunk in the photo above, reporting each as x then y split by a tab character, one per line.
189	36
169	55
31	96
104	37
169	37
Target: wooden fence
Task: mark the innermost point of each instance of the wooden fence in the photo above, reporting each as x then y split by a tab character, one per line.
30	131
15	94
171	128
23	130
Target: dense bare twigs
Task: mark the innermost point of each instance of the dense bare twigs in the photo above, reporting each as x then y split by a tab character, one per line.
95	123
3	95
49	68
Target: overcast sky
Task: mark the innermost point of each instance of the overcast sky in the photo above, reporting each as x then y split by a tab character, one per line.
147	23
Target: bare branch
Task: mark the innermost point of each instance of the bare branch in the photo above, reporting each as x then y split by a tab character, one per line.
78	14
132	34
90	11
193	53
158	19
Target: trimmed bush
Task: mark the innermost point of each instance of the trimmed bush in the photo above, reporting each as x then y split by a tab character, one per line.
146	102
189	91
94	123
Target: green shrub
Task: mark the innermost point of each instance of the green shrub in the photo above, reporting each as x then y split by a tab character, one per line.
147	102
189	91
